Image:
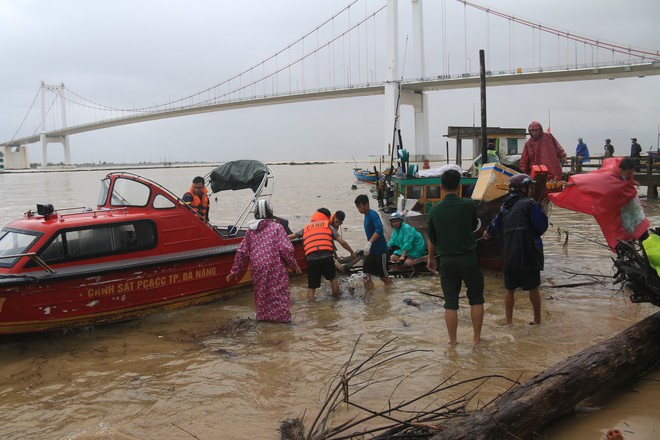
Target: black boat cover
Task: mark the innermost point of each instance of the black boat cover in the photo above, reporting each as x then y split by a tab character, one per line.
238	174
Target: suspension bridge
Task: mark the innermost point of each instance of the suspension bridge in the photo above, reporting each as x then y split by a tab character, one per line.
356	53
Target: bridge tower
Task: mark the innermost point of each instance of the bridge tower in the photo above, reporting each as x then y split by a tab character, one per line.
45	140
394	97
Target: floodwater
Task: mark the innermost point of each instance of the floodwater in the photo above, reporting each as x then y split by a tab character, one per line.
212	372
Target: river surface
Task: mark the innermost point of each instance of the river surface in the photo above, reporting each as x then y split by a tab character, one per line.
212	372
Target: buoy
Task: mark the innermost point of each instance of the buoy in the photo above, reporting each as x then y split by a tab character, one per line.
614	434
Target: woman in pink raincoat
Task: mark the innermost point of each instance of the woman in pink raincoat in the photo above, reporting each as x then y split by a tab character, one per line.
269	251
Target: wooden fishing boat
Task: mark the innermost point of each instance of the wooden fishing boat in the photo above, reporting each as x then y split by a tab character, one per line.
415	196
368	176
142	249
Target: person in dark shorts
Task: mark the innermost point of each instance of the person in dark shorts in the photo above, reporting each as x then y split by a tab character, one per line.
522	223
452	223
318	243
375	251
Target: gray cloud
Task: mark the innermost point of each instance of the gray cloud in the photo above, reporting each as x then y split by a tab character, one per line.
139	53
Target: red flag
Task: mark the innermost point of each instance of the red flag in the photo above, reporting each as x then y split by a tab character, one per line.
611	200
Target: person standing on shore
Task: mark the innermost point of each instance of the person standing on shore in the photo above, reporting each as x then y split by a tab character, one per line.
451	225
582	152
375	251
609	148
635	152
522	223
268	250
635	149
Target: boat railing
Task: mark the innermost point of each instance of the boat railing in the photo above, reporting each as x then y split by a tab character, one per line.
267	182
93	212
34	257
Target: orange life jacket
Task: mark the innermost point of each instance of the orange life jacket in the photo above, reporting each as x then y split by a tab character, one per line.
317	235
201	205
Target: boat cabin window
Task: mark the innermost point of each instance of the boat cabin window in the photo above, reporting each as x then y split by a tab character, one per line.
162	202
14	243
129	192
97	242
433	192
414	192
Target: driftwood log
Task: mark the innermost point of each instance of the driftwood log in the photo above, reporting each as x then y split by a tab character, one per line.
518	413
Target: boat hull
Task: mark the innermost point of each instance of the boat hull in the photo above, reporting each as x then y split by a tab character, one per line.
366	175
142	250
489	251
101	294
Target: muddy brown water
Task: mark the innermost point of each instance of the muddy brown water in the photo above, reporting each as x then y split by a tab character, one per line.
212	372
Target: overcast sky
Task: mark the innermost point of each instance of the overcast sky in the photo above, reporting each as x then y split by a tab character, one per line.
134	53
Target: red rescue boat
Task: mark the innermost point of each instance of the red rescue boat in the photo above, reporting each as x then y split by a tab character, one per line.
141	250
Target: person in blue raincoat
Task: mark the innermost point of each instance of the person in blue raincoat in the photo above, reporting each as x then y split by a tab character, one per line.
408	242
581	151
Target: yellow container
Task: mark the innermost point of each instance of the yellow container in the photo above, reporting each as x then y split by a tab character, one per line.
493	182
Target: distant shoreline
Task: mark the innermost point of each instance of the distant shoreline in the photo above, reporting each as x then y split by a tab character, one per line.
149	166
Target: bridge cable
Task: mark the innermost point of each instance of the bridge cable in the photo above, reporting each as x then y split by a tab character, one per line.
26	115
639	53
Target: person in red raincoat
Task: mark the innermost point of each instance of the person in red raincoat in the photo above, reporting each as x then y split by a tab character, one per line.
610	195
542	149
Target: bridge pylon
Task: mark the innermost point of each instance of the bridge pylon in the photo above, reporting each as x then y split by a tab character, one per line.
45	139
394	96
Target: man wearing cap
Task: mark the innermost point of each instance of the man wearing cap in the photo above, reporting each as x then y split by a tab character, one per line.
609	148
582	152
635	152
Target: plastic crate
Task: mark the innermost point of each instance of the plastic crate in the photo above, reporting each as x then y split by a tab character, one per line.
490	176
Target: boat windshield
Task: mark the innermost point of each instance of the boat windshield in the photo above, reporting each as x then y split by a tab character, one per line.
14	242
103	196
129	192
125	192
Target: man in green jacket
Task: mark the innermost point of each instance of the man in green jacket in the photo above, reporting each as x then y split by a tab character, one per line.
408	242
451	226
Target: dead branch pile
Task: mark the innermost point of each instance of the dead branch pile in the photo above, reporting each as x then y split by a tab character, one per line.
418	417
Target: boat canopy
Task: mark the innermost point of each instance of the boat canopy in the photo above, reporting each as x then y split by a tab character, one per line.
238	174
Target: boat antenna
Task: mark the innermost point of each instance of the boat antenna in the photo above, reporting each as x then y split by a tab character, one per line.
397	115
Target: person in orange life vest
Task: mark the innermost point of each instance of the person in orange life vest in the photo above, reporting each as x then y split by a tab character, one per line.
197	197
336	220
318	239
